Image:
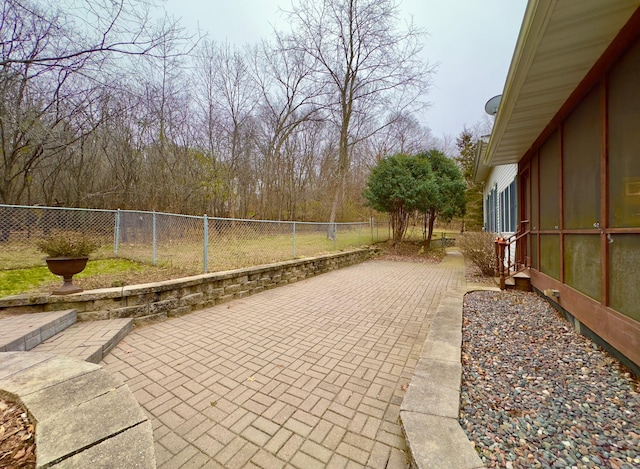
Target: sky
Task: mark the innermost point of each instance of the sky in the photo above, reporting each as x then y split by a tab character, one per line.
471	41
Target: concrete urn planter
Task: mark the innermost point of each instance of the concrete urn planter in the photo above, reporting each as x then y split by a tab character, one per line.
66	267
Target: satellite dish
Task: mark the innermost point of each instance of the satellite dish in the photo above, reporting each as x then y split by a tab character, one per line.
492	105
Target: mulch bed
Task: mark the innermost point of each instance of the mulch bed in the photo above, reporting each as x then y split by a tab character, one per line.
473	274
410	251
17	437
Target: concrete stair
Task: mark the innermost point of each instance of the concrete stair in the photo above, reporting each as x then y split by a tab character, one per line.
86	417
59	333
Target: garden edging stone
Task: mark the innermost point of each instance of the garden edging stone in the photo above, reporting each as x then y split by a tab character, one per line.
429	411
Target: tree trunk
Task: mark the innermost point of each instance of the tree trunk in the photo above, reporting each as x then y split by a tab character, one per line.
424	231
343	169
399	222
331	230
432	219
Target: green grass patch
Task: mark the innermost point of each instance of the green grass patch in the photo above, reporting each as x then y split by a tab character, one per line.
13	282
23	255
109	266
17	281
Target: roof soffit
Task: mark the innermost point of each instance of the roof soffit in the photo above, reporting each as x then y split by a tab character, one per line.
559	42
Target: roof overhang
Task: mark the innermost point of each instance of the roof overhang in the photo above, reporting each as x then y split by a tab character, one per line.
559	42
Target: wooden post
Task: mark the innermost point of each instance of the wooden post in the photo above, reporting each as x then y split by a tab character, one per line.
500	245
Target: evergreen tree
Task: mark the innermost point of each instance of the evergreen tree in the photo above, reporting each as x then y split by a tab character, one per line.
448	192
430	183
467	145
400	185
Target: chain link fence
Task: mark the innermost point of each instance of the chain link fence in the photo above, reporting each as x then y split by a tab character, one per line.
192	243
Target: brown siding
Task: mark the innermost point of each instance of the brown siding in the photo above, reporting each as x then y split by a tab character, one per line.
578	185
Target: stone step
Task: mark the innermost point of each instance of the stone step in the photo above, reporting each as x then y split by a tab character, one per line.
86	417
26	331
89	341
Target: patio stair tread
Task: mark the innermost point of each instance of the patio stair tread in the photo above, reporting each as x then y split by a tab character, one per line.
26	331
89	341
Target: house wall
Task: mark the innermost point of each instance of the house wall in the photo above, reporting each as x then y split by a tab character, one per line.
500	204
580	188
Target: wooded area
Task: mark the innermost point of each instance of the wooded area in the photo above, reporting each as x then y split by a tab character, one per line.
104	106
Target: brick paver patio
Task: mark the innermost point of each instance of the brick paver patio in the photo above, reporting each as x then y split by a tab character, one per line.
307	375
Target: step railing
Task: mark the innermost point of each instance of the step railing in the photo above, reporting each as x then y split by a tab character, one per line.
511	253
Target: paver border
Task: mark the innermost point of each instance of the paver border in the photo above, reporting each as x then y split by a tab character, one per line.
429	411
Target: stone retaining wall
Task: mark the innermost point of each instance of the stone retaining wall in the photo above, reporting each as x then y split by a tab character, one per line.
173	298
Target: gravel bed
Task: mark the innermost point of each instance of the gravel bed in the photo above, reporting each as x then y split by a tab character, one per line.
535	393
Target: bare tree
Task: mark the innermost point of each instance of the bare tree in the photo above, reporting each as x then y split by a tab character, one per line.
289	97
72	32
56	60
117	147
368	62
213	168
404	135
102	106
227	102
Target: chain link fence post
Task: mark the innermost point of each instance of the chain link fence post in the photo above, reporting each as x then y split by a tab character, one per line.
205	257
155	239
294	239
116	231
